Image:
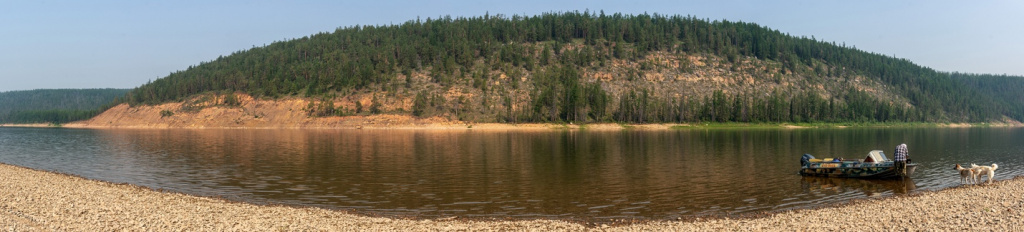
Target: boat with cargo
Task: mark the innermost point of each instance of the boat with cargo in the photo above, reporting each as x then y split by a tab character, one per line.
875	165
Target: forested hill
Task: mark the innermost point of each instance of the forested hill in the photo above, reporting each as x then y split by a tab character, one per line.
589	67
55	105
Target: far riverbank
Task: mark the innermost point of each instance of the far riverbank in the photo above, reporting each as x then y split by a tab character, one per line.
400	122
292	113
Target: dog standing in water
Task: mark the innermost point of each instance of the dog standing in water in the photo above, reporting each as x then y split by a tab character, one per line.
966	175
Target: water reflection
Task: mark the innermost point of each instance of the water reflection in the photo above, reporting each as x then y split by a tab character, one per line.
559	174
868	187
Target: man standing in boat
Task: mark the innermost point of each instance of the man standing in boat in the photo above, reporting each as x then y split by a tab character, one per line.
901	159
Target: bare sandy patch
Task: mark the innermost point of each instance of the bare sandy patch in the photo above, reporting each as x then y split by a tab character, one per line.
788	126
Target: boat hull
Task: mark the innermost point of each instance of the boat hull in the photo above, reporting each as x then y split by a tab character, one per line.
881	171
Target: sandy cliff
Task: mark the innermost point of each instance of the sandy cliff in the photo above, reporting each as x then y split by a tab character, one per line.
282	113
250	113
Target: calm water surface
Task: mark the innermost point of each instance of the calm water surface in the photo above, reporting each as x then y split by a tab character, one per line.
486	174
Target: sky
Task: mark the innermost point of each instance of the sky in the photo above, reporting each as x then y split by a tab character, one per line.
123	44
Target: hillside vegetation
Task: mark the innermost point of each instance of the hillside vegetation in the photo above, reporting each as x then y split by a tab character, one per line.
589	67
55	105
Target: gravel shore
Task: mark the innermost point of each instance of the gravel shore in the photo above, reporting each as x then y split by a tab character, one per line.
42	201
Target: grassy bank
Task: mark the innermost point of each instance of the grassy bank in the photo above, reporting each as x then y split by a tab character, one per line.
36	125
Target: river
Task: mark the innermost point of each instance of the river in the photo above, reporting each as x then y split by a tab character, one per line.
572	175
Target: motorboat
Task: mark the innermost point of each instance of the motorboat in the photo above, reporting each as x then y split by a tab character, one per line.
874	165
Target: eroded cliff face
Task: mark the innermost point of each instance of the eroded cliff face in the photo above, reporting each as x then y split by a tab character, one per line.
249	112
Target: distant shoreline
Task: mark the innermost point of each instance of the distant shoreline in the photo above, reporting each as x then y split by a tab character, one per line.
29	125
537	126
293	113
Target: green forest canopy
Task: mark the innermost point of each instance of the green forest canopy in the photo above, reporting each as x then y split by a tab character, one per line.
55	105
555	49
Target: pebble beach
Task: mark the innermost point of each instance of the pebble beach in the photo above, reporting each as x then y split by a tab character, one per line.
32	200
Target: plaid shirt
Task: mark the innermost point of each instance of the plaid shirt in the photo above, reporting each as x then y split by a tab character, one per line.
901	152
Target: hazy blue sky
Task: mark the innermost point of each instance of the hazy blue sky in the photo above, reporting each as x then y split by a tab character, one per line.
123	44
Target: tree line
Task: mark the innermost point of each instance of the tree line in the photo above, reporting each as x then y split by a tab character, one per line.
55	105
552	49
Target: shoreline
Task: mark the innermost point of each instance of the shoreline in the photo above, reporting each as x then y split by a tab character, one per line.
28	125
452	125
292	113
42	200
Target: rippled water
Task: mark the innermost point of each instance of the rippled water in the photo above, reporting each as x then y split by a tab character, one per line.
485	174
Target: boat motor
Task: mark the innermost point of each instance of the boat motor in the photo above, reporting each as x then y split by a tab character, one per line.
805	159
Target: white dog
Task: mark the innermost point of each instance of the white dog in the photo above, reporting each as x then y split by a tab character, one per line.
979	171
966	175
